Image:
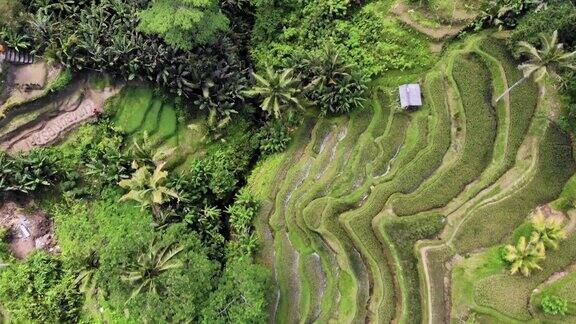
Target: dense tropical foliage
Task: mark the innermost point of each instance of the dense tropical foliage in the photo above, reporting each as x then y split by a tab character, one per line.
256	134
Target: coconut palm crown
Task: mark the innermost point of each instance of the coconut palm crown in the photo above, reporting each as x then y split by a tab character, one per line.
548	60
150	265
147	188
548	231
279	91
524	256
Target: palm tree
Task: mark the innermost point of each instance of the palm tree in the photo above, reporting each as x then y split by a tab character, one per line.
548	231
327	69
524	257
147	188
150	266
279	91
545	61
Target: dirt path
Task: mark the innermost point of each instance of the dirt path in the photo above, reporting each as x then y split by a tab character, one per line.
402	11
78	107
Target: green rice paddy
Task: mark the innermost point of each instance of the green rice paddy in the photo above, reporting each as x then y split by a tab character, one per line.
368	217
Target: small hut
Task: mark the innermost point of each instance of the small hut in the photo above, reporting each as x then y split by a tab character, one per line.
410	96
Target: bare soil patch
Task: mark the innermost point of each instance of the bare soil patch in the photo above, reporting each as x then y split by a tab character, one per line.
28	82
29	228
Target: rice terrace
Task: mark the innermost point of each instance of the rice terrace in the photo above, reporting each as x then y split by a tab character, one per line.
310	161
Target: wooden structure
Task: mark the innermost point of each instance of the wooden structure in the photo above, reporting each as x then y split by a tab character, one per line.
15	57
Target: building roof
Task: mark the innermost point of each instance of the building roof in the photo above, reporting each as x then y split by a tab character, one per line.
410	95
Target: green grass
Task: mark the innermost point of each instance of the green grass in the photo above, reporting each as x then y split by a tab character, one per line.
475	267
150	123
131	107
565	288
263	176
167	124
137	111
508	296
567	196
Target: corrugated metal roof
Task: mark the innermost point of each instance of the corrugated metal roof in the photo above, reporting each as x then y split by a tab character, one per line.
410	95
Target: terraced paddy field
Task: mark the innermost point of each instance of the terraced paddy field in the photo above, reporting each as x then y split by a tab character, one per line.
395	216
140	113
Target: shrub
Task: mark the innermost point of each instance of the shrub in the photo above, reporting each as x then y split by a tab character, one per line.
183	23
91	159
10	11
241	214
12	22
27	173
214	178
240	296
61	81
293	28
72	34
116	233
4	250
503	13
39	289
554	305
274	137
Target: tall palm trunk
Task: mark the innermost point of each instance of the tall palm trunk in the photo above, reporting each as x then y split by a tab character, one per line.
511	88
